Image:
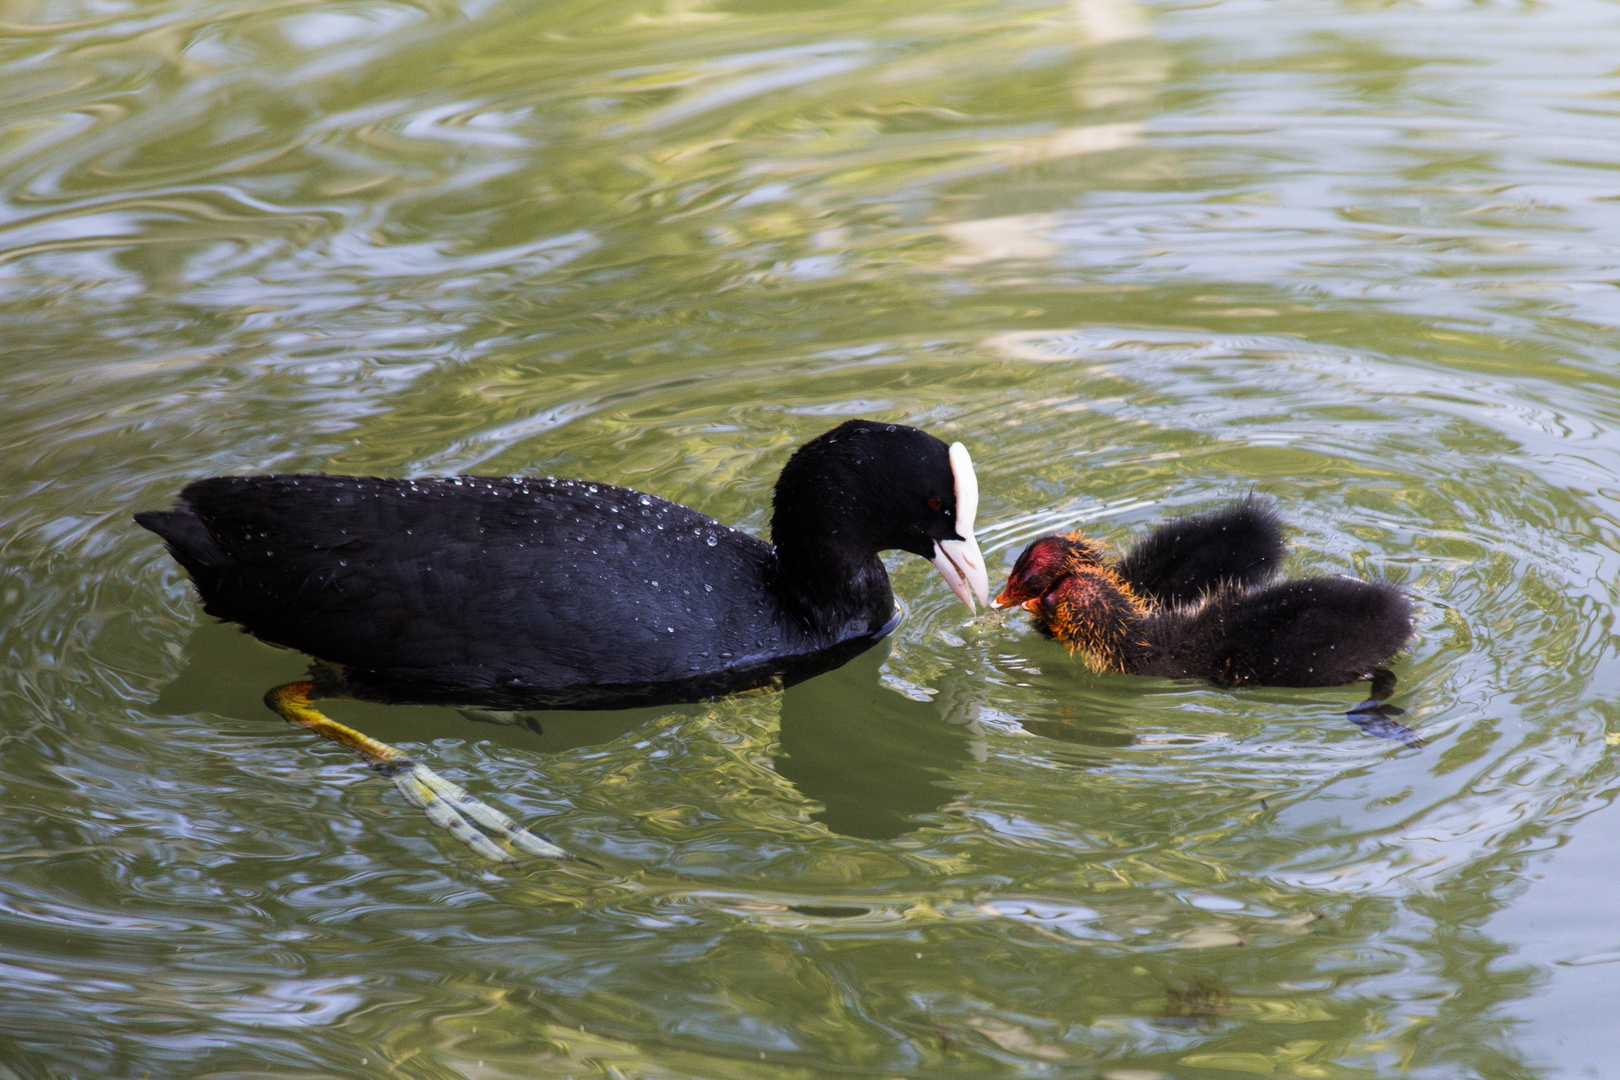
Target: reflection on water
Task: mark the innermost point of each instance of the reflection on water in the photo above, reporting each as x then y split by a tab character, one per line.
1141	257
874	758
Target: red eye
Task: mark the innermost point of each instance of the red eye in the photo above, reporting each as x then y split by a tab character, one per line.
934	502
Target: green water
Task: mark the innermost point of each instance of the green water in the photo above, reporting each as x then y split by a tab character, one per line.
1360	258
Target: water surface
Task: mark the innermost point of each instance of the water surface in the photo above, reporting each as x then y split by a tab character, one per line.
1357	258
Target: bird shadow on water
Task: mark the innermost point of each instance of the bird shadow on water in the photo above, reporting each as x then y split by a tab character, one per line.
874	758
227	672
877	758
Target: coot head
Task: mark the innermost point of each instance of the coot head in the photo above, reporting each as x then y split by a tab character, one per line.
1042	564
866	487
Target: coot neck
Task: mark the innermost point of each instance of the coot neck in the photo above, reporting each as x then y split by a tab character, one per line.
831	588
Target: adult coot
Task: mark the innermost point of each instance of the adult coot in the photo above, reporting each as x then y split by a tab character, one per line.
1194	599
542	593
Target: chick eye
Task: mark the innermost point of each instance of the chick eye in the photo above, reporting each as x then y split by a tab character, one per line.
934	502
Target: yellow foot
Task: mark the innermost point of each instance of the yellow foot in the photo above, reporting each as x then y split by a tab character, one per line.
446	805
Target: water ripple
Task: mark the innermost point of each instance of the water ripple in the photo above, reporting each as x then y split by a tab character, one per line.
1141	260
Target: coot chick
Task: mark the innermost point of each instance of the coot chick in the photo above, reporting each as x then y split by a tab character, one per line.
1318	631
541	593
1176	562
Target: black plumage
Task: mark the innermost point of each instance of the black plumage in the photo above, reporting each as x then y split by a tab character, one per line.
1316	631
1177	561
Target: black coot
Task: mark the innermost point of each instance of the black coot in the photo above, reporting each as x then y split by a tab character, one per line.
520	593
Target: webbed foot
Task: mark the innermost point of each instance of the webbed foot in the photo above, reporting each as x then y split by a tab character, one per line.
1377	724
1375	715
450	807
447	805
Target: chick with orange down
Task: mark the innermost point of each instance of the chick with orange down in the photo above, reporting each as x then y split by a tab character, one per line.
1194	599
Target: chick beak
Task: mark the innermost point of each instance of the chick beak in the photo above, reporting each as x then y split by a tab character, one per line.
959	561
